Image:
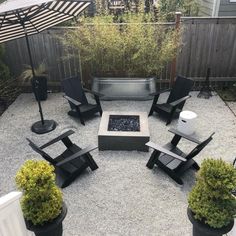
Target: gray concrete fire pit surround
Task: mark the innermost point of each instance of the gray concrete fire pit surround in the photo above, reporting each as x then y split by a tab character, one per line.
123	140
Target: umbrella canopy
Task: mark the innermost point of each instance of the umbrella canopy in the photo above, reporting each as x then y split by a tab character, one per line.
20	17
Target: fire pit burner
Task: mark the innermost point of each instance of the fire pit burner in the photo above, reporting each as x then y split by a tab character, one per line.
123	131
123	123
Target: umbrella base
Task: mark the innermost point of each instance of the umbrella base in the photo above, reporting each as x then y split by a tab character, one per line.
39	128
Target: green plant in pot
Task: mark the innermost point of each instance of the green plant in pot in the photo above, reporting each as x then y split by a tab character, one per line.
212	207
42	203
40	79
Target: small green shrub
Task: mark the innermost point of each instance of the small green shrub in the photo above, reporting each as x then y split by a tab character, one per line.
42	199
211	199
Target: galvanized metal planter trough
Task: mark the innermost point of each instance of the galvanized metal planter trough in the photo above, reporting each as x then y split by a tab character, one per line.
124	88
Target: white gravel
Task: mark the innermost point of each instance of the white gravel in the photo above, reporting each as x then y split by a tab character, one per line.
232	106
122	197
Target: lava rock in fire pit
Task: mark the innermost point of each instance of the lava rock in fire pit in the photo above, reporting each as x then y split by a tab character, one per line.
123	123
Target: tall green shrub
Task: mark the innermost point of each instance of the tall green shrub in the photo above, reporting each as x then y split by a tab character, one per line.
134	48
211	199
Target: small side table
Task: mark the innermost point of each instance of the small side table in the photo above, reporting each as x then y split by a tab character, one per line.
186	122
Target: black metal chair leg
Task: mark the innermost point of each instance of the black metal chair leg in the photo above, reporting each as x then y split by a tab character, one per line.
151	112
81	120
92	163
170	117
152	159
175	178
80	116
196	166
155	99
170	173
168	121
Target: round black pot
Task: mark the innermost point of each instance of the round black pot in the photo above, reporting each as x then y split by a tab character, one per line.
39	86
202	229
53	228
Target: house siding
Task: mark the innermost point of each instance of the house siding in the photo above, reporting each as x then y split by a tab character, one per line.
227	8
206	7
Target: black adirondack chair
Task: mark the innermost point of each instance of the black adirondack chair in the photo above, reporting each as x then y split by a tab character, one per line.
71	163
171	159
75	94
179	93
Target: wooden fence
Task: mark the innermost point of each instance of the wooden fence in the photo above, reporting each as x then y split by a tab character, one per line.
45	47
206	42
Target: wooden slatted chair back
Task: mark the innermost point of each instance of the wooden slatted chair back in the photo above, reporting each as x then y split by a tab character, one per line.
72	87
199	148
180	89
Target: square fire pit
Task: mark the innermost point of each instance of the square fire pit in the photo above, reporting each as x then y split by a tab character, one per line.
123	131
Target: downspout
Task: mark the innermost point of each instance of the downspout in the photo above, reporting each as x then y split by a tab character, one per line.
216	7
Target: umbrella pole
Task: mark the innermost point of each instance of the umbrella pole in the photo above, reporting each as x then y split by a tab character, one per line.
42	126
35	82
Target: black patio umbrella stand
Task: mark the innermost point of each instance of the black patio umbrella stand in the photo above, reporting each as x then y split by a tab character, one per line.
42	126
22	18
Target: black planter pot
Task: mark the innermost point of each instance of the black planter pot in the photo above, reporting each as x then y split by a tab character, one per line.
53	228
40	87
202	229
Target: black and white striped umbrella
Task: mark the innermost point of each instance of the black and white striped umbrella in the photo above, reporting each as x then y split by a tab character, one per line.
22	18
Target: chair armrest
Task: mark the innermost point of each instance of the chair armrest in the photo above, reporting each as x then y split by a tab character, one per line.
57	139
163	150
177	102
92	92
76	103
192	139
77	154
159	92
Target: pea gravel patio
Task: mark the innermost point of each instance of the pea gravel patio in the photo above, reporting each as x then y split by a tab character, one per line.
122	197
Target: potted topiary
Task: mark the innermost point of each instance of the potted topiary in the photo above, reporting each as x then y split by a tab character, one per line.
42	203
40	77
212	207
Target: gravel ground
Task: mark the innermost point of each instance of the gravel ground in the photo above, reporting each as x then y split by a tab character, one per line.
232	106
122	197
